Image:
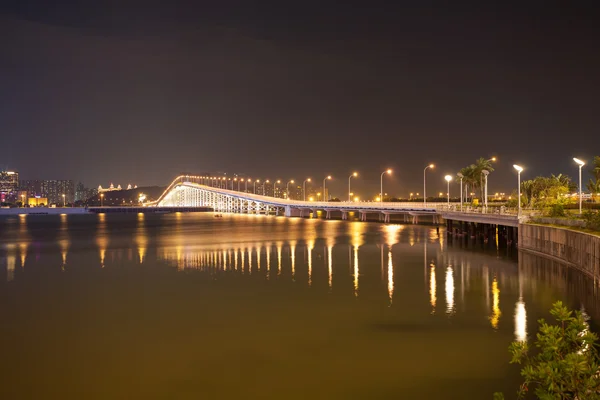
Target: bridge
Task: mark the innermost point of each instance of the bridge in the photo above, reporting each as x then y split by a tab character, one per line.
192	191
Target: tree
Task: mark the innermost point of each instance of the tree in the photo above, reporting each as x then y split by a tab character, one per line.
482	165
596	168
566	364
470	178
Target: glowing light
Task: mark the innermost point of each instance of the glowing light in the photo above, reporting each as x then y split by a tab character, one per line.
309	246
520	322
268	257
141	237
279	245
258	250
449	290
243	257
578	161
293	259
432	288
11	260
390	277
518	168
23	250
495	318
330	264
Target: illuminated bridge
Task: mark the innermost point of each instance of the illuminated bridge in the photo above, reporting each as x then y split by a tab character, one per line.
189	191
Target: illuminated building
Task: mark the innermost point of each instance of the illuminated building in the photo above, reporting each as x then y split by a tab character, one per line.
9	184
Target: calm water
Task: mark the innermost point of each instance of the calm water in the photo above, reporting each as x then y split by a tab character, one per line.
188	306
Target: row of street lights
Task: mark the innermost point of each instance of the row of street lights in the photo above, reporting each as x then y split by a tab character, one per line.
448	179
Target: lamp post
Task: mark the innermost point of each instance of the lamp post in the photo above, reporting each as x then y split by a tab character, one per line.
264	183
101	199
23	200
350	191
461	176
485	173
581	164
246	185
254	190
388	171
324	188
304	188
519	170
448	178
64	200
287	189
425	183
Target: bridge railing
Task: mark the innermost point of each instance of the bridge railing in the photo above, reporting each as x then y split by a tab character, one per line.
502	210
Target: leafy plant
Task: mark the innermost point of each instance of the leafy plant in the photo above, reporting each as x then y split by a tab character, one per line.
592	219
556	211
565	365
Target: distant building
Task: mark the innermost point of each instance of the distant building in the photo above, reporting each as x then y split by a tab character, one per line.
9	185
37	201
54	190
80	192
32	187
108	189
113	188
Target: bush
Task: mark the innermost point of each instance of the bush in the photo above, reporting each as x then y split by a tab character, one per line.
592	219
566	365
556	210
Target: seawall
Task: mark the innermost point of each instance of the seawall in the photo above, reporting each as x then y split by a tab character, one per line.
43	211
579	250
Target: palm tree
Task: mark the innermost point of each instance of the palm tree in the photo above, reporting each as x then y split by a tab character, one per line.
596	168
482	165
594	187
469	178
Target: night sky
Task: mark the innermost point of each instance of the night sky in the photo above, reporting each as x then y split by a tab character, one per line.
138	91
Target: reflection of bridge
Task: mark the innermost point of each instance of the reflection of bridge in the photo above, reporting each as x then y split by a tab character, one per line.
188	191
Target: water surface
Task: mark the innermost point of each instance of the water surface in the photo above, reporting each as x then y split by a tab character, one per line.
188	306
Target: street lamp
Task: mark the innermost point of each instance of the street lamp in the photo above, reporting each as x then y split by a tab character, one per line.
101	199
461	176
64	201
324	189
519	170
581	164
485	172
448	178
304	188
388	171
319	196
264	183
287	189
254	190
355	174
425	183
246	184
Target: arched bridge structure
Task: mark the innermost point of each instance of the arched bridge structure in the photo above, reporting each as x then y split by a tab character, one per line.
190	191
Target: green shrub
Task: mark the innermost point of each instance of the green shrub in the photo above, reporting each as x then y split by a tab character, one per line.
592	219
565	365
556	210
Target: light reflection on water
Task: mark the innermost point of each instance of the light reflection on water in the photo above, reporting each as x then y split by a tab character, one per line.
314	282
